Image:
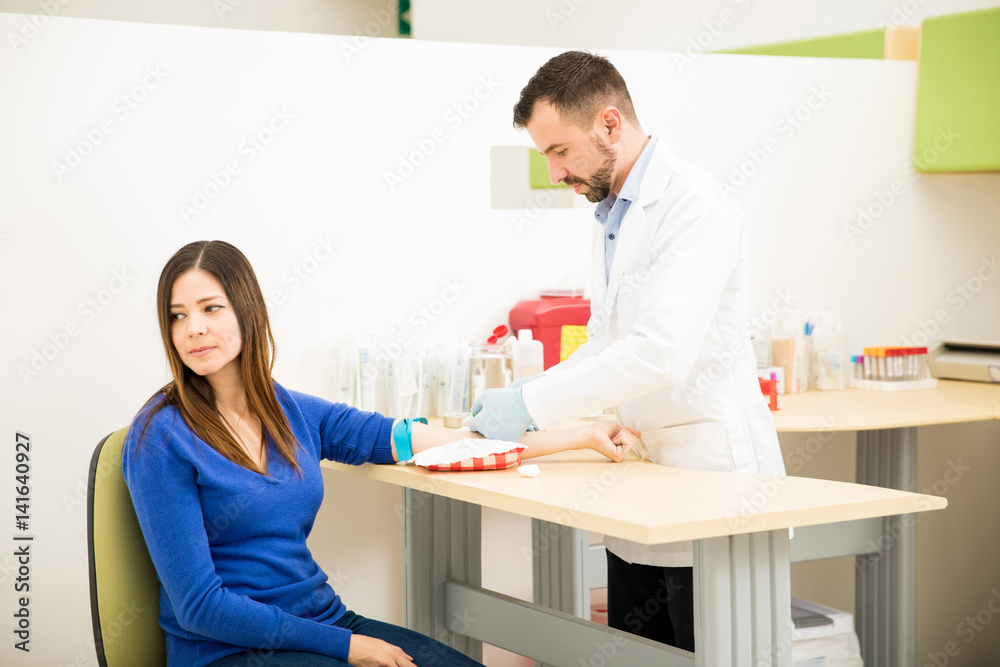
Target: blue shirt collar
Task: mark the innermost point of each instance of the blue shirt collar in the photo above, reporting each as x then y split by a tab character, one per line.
630	188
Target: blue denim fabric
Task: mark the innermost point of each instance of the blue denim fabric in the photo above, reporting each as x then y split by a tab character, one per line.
426	652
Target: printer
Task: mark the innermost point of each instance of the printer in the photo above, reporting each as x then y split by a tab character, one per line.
966	360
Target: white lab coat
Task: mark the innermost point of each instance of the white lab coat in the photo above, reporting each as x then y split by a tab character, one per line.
668	339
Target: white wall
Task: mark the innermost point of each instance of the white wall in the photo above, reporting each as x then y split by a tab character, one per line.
665	25
368	18
356	116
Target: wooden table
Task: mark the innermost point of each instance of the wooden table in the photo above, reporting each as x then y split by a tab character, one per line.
886	425
950	402
741	556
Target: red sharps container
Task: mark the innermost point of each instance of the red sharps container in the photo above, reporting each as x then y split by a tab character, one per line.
558	319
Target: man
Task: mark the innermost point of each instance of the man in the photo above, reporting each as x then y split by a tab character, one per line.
668	337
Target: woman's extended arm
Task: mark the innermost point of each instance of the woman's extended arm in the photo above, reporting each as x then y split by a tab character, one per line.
353	436
609	438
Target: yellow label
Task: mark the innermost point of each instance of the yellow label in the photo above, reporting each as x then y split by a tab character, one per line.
573	336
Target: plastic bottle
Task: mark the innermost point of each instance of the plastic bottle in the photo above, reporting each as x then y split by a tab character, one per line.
529	355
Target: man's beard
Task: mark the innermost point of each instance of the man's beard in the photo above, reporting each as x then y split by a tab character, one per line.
598	185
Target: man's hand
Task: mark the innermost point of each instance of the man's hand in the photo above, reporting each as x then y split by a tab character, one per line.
372	652
500	414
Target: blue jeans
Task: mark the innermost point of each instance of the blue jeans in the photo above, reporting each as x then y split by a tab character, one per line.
426	652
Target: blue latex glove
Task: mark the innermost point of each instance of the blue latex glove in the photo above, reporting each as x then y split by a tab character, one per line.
517	383
500	414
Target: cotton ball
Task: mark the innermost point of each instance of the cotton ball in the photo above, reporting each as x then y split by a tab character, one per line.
529	470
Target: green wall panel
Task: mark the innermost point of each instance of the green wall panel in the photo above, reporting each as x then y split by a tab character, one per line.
958	93
405	30
865	44
538	171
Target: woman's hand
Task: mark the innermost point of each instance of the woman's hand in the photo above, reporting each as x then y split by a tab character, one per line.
612	439
372	652
606	437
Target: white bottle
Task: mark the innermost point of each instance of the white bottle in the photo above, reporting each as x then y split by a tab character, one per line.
529	355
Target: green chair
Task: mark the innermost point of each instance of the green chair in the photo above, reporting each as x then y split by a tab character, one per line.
124	590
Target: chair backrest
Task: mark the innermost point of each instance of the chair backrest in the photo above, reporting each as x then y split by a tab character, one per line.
124	590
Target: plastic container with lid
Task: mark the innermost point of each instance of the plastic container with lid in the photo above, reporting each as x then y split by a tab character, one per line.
558	320
529	355
489	368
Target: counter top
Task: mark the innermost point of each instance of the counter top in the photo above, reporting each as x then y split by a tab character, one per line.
861	410
583	490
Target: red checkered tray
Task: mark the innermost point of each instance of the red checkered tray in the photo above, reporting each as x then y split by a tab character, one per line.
470	455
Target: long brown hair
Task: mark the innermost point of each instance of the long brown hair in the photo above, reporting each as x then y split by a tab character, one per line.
191	393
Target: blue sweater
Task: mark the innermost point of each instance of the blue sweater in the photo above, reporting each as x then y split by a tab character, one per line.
229	544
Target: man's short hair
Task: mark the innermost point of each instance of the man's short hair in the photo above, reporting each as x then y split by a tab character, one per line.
578	84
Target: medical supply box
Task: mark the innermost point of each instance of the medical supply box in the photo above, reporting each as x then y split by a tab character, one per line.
558	319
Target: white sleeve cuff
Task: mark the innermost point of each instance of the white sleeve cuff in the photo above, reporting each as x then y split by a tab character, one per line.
529	394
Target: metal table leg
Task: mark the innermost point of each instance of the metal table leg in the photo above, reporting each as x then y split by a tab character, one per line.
742	591
742	601
885	586
742	598
558	569
442	540
553	637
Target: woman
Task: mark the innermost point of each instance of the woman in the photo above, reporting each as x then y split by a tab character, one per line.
223	468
